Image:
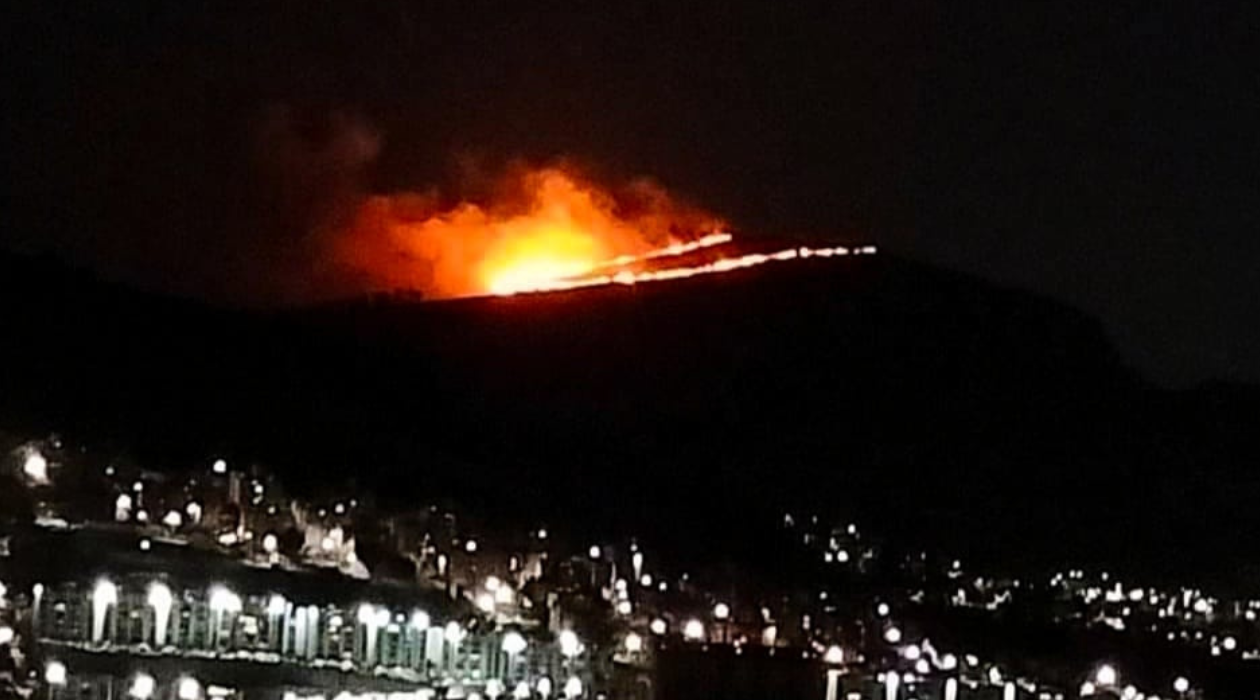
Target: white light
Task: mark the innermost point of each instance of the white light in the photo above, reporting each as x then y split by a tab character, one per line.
145	545
493	583
951	689
593	551
173	519
624	607
842	556
922	667
160	596
276	605
834	654
658	626
223	600
219	467
995	675
1106	675
188	688
1129	693
693	630
1229	643
721	611
1087	689
270	543
453	633
470	546
504	596
542	533
882	610
55	673
514	643
570	645
573	688
142	516
494	688
35	467
637	561
104	593
634	643
193	509
142	686
544	686
892	635
891	681
911	652
645	580
485	602
1008	691
1181	685
122	507
327	544
419	620
521	692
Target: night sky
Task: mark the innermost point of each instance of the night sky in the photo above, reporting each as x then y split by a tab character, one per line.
1101	153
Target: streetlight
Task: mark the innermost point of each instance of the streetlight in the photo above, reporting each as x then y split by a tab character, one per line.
658	626
693	630
188	688
834	654
594	551
55	673
161	600
721	611
142	686
104	594
892	635
1106	676
634	643
1181	685
514	643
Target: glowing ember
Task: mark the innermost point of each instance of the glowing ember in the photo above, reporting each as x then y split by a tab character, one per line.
549	231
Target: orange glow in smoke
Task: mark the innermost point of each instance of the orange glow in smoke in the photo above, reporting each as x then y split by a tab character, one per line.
547	230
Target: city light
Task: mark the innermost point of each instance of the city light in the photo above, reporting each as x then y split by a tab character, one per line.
173	519
570	645
593	552
1106	676
633	643
270	543
219	467
485	602
834	654
142	686
453	633
55	673
419	620
521	691
223	600
1181	684
892	635
514	643
721	611
693	630
470	546
544	686
276	605
1087	689
35	467
573	688
188	688
951	689
658	626
882	610
6	635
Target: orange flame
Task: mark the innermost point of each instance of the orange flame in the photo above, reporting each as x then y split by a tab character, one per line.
552	231
553	227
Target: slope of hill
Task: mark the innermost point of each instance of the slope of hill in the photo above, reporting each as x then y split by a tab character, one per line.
943	409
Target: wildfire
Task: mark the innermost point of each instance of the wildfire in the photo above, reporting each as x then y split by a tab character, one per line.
547	230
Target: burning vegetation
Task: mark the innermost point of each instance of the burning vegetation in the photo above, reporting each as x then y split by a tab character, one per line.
544	229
